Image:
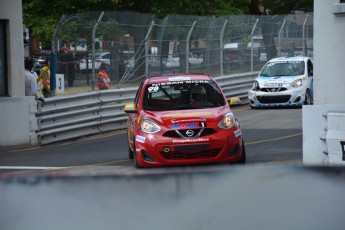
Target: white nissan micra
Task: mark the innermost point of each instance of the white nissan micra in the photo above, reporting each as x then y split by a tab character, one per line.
283	81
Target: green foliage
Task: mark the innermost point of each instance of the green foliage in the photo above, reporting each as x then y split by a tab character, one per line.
287	6
42	16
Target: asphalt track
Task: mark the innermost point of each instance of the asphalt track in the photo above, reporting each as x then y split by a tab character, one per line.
270	135
90	184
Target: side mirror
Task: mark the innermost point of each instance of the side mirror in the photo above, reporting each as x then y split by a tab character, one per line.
235	101
130	108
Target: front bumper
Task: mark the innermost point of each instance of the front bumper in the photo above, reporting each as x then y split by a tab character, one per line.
288	98
225	147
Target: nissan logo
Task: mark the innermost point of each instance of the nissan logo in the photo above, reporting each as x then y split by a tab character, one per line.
189	133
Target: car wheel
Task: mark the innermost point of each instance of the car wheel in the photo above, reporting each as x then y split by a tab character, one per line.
307	100
243	155
135	161
130	153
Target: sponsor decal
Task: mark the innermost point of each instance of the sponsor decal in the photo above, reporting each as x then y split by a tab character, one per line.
190	114
176	83
187	125
140	139
179	78
273	85
238	133
189	120
191	140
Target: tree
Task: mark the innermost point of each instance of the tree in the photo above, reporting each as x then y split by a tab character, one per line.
41	16
270	9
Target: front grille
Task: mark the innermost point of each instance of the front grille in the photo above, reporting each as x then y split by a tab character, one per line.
181	155
181	133
274	99
272	90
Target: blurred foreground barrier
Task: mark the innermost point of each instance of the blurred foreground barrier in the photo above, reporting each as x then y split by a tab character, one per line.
335	138
68	117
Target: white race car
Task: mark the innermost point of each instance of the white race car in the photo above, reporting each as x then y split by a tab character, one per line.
283	81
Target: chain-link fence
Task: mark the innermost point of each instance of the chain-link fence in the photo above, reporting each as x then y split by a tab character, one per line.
136	45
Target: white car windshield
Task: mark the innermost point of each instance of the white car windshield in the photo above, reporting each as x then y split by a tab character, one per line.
283	68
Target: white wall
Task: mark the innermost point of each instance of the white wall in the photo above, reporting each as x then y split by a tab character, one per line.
17	111
12	11
329	80
329	50
20	122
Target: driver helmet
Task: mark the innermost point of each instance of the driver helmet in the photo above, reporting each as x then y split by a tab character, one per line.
198	92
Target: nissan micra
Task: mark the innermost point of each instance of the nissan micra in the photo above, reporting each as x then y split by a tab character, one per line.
182	119
284	81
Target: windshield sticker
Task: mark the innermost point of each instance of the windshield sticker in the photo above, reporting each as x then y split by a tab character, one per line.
179	83
153	89
140	139
191	140
179	78
238	133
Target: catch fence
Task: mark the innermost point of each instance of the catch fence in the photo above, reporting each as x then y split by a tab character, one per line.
136	45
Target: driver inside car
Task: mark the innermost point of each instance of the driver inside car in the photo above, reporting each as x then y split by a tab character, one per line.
198	94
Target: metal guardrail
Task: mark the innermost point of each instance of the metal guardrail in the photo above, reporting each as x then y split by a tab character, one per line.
68	117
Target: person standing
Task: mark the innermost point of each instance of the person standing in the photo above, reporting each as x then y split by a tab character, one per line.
103	79
67	65
31	88
44	78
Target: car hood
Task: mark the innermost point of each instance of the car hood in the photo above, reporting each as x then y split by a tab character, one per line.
179	116
278	79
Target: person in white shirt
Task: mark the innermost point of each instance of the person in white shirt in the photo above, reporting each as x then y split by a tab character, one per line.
31	88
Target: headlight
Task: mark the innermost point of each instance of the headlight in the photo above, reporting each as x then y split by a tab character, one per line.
148	126
297	83
227	122
255	86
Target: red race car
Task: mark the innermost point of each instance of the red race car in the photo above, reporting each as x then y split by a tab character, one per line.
182	119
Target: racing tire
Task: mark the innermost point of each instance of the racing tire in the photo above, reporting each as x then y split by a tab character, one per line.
307	100
243	155
135	161
130	153
243	158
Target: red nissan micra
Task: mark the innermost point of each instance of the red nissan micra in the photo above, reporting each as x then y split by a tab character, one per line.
182	119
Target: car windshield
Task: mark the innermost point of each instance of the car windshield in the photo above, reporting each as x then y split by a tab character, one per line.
182	95
283	68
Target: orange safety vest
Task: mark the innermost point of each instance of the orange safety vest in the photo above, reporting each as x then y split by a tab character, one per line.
102	80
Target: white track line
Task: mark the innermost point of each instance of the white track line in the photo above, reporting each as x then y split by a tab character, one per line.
30	167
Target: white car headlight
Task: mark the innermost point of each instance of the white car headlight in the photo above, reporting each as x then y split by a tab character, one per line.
227	122
148	126
255	86
297	83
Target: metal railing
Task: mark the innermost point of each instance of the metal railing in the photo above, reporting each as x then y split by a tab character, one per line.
68	117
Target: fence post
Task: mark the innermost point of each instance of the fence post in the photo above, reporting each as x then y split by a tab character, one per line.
251	44
187	46
93	49
147	48
279	37
304	32
53	57
221	41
